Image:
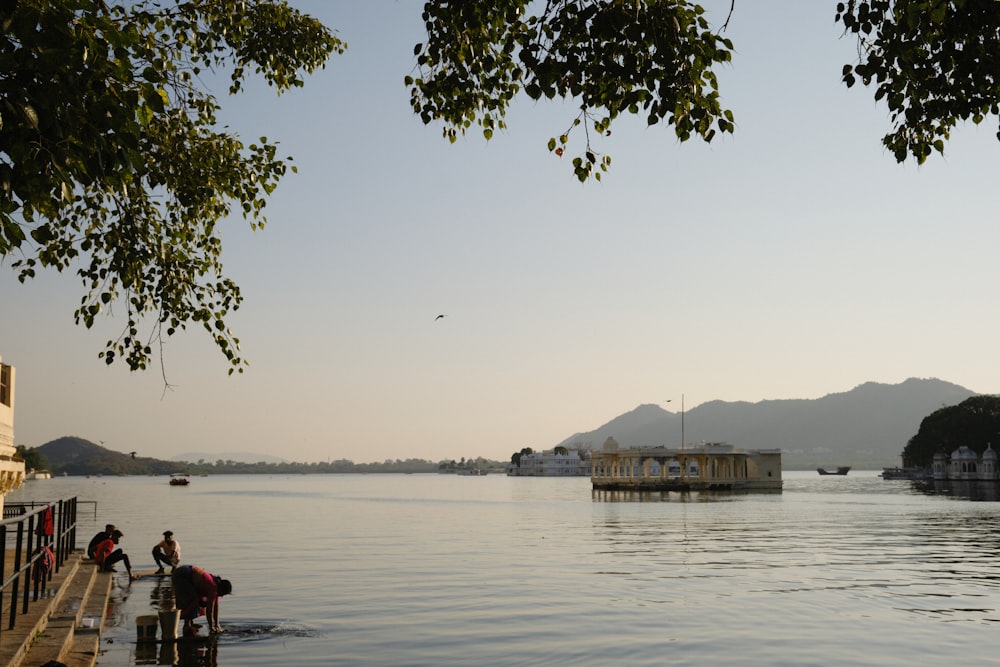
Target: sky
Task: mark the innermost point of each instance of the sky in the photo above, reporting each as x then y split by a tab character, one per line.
793	259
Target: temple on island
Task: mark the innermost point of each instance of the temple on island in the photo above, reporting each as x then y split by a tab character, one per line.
965	465
705	467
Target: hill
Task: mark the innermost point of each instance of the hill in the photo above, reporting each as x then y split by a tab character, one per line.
866	427
77	456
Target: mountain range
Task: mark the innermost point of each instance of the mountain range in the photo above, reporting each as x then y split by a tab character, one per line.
866	427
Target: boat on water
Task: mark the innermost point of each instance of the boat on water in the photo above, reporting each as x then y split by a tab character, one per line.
905	473
179	479
841	470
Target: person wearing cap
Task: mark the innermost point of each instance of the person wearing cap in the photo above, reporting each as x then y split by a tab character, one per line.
197	593
167	551
100	537
106	555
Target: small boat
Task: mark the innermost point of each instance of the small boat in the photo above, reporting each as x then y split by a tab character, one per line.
179	479
841	470
905	473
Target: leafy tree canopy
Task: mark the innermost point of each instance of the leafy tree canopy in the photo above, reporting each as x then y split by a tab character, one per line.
33	459
933	62
614	57
975	423
110	157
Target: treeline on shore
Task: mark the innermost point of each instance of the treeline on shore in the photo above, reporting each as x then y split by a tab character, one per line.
342	466
84	458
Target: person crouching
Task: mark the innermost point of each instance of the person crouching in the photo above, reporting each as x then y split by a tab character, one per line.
167	552
197	593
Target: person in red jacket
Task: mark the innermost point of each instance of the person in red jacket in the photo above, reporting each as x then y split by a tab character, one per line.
106	555
100	537
197	592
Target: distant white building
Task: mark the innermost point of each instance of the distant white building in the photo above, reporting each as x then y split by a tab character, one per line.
964	465
575	463
11	471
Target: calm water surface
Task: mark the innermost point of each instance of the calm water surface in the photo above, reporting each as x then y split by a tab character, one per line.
446	570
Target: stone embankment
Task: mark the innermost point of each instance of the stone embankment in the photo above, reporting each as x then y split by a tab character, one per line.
66	627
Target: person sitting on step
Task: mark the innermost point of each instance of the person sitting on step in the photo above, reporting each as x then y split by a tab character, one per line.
98	538
106	555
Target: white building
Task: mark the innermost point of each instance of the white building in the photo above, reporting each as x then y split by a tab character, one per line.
964	465
11	471
575	463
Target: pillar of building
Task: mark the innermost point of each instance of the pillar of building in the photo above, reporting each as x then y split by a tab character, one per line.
11	470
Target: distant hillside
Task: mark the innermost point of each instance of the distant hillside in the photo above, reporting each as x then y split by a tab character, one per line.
77	456
866	427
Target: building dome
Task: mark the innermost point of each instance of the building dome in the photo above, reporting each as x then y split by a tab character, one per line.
963	453
990	454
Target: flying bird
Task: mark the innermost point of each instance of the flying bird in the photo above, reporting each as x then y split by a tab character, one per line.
439	317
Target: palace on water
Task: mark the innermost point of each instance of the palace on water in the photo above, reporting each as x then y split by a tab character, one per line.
705	467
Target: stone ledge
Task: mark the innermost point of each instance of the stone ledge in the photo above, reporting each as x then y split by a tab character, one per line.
51	629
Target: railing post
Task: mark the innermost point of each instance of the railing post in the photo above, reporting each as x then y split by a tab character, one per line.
59	539
26	556
16	582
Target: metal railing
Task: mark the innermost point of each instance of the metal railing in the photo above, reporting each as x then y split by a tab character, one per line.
11	510
22	542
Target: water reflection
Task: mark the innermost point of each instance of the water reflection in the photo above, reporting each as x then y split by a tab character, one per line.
635	496
191	654
161	596
181	653
963	490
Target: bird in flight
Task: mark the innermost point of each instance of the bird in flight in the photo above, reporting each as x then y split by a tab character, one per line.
439	317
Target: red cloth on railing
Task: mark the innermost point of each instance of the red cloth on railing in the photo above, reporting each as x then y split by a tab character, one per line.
44	564
45	524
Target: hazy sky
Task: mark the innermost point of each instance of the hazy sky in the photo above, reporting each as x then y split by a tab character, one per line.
791	260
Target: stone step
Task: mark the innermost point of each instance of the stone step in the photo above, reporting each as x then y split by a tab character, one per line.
82	650
64	637
32	627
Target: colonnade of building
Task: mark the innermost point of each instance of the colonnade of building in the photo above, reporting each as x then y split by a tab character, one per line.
708	466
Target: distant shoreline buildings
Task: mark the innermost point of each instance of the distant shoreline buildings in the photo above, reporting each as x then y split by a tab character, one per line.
552	463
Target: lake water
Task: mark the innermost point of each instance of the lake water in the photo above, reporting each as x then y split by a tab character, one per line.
445	570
